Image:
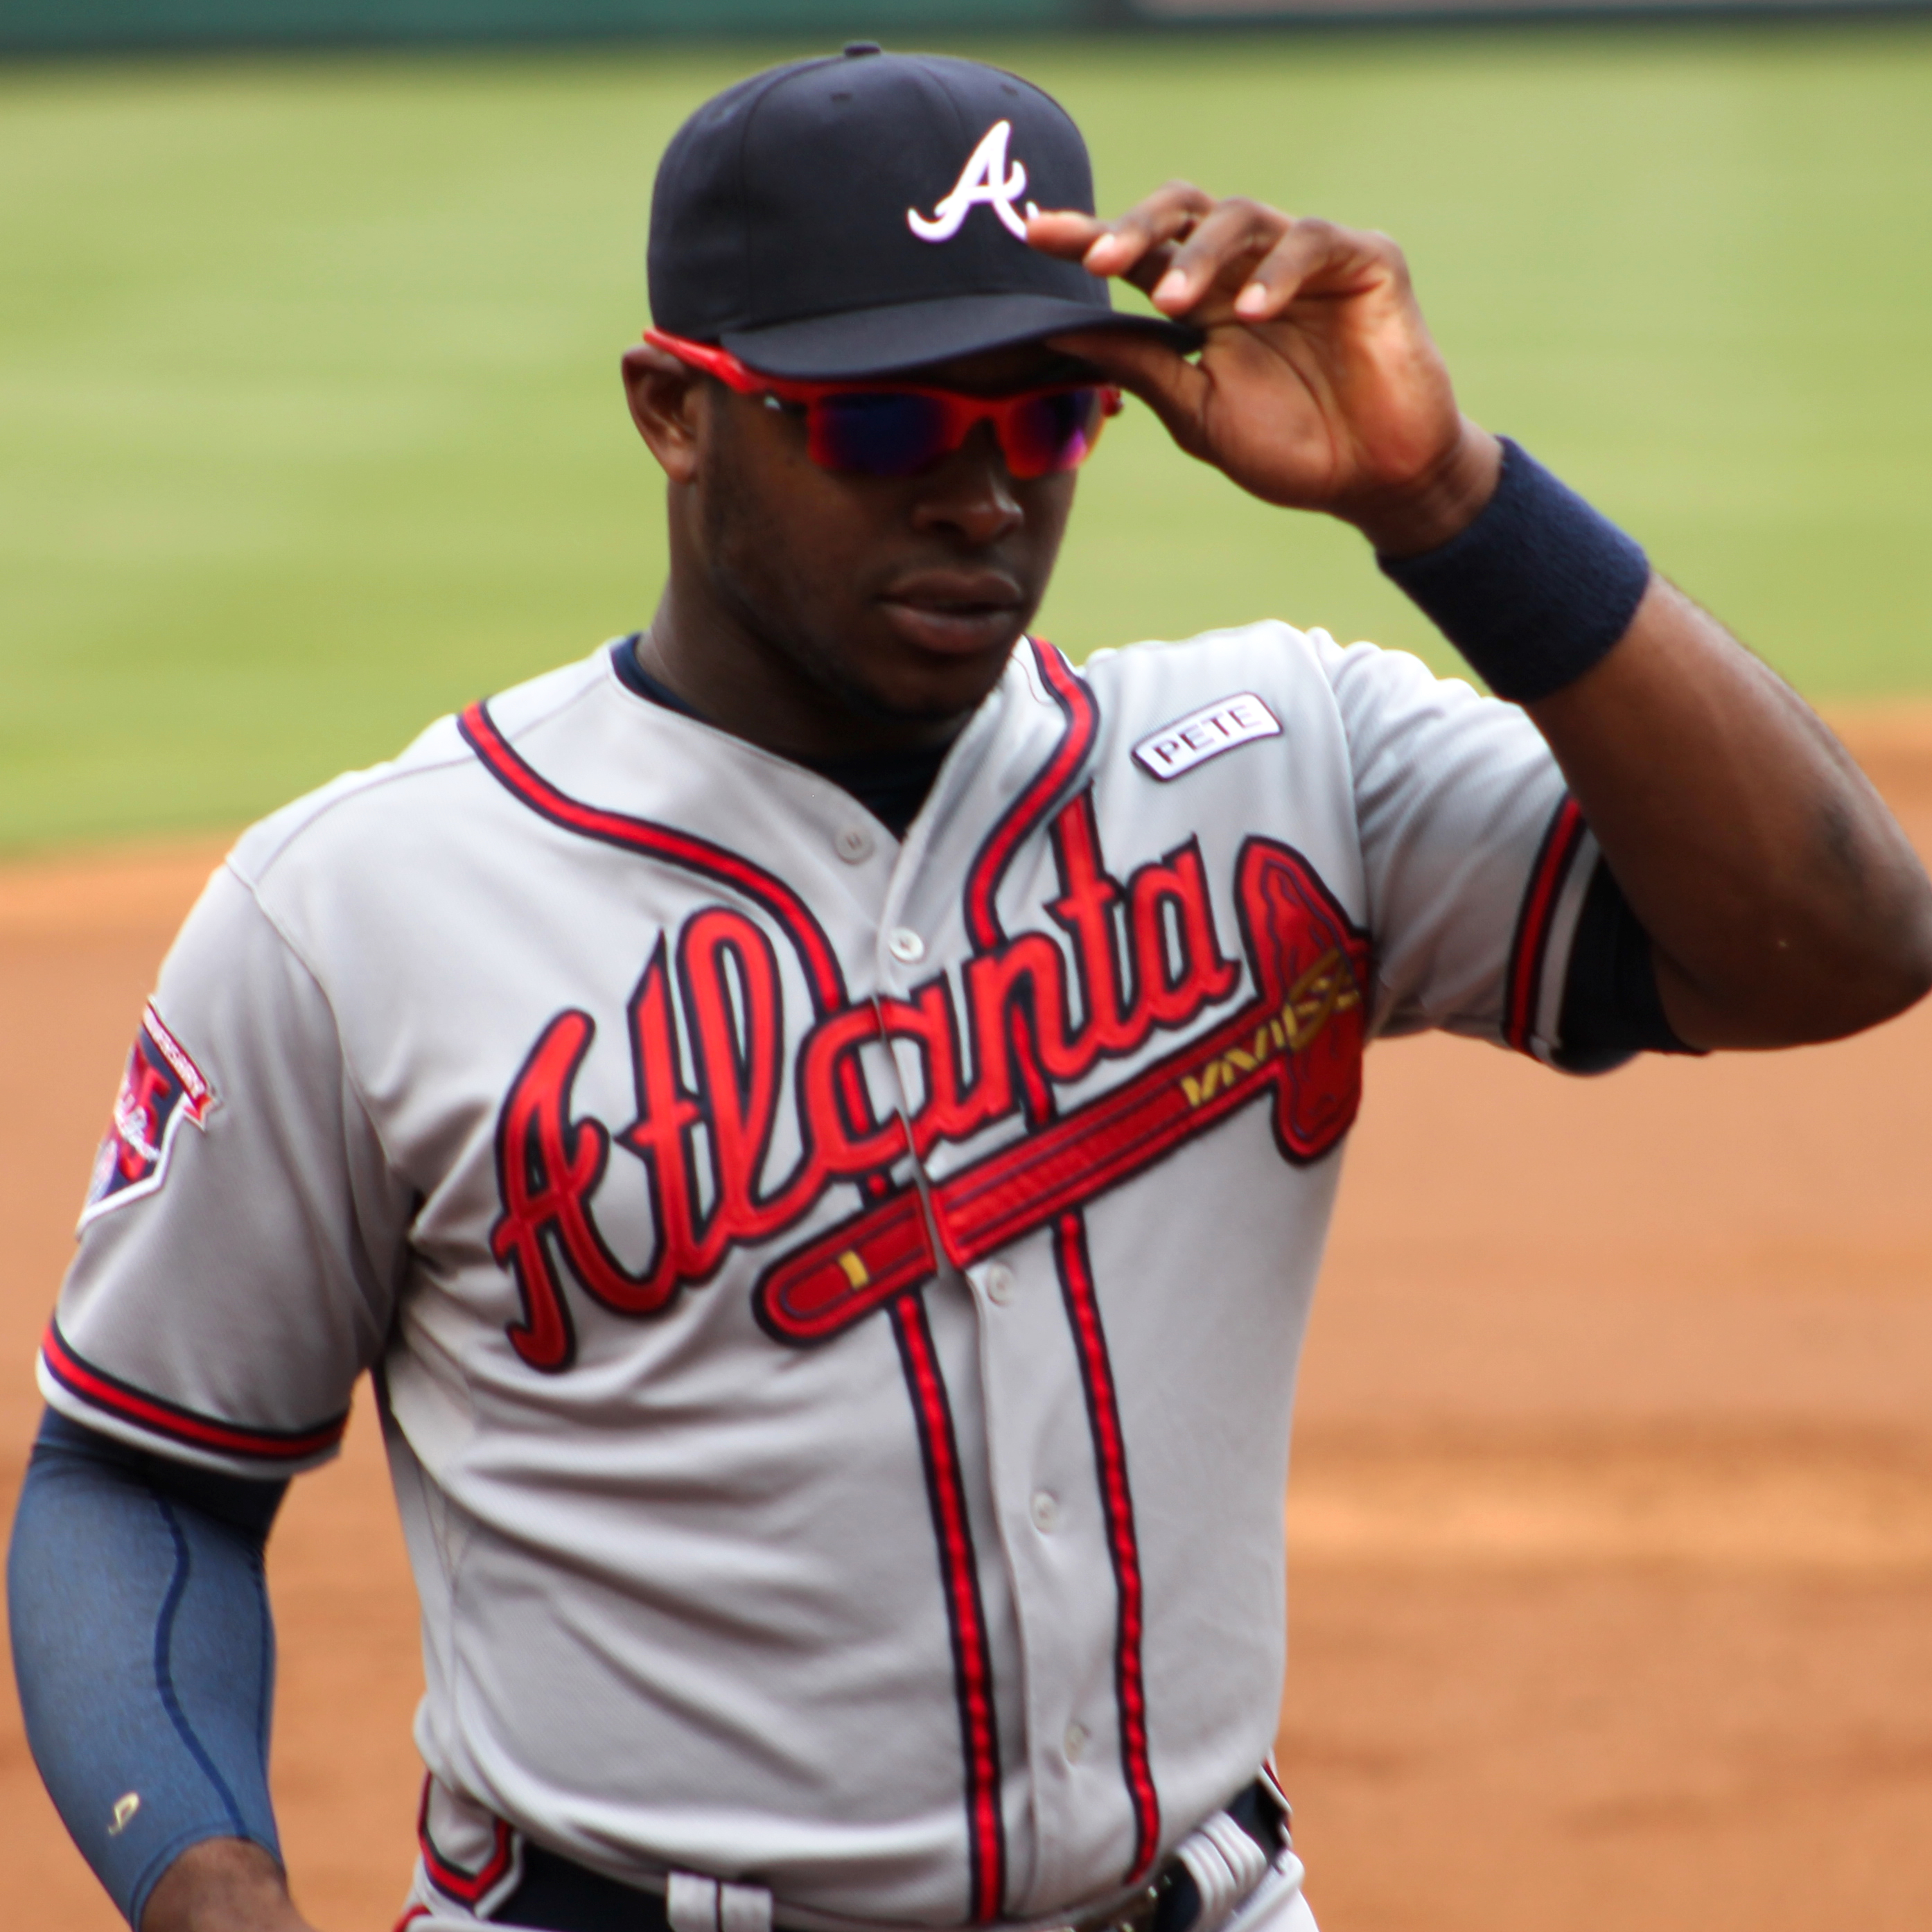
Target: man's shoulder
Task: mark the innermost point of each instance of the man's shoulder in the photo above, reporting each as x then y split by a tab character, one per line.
430	791
1143	685
1267	646
1306	666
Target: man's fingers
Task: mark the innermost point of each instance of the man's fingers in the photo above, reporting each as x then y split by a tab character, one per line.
1180	247
1165	216
1119	247
1063	232
1314	252
1170	385
1234	232
1273	283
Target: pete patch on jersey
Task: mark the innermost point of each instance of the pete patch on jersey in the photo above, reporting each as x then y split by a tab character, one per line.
161	1087
1178	748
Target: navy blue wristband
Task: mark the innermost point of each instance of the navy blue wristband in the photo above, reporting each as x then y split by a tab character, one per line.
1536	590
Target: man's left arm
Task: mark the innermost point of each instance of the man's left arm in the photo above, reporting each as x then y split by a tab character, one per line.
1782	900
1783	903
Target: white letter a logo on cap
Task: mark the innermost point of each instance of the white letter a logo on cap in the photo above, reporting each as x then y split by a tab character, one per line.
984	178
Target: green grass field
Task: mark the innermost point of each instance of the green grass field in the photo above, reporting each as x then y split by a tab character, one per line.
310	428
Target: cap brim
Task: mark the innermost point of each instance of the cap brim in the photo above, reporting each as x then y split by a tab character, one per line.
907	335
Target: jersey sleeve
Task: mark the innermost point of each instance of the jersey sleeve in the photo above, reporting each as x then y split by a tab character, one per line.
1611	1006
244	1234
1477	859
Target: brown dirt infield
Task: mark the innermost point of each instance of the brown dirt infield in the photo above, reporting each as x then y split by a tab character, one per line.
1611	1590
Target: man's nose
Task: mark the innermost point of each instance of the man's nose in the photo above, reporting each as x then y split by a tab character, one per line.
971	491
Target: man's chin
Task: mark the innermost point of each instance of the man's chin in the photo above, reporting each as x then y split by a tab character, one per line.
876	677
951	696
926	689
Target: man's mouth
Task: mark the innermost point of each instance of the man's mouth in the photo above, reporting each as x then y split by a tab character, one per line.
954	612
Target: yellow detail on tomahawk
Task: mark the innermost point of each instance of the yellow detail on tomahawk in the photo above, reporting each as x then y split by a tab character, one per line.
1327	988
855	1272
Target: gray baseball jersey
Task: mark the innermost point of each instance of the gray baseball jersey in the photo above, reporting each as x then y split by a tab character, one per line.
835	1301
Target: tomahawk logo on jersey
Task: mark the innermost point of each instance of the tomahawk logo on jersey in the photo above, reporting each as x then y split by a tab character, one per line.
1139	960
160	1089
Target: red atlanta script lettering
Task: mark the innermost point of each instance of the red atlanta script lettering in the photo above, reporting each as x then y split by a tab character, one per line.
1143	959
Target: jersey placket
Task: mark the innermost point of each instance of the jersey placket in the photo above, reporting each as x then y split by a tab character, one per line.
1061	1496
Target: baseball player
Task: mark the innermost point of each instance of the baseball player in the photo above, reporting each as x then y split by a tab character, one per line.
820	1118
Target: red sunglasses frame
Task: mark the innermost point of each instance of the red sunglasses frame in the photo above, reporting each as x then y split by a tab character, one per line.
964	413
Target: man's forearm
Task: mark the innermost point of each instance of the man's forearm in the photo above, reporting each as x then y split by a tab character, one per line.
145	1657
1784	902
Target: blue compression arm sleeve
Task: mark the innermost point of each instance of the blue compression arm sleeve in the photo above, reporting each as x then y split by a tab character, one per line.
144	1651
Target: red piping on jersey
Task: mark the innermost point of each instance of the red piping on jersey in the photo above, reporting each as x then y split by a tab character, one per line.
982	924
1096	1375
524	783
1300	1041
81	1377
973	1658
466	1888
1531	946
1023	816
410	1917
972	1654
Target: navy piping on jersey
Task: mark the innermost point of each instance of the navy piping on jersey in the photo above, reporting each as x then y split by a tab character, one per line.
965	1607
1522	984
1080	728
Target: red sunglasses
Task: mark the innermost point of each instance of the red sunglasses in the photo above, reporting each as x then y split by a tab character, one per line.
898	429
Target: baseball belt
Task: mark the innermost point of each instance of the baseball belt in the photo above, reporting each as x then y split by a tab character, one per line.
557	1894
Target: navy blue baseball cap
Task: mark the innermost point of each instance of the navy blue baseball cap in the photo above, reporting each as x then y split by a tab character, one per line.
865	213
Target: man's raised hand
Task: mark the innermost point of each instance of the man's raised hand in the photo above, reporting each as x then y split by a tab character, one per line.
1318	387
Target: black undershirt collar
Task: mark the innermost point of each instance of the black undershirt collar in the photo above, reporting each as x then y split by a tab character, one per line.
891	785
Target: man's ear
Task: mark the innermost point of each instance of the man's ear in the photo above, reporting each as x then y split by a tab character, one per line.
667	400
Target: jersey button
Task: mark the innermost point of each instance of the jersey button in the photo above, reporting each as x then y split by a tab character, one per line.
1000	1283
1076	1743
905	945
1045	1510
853	844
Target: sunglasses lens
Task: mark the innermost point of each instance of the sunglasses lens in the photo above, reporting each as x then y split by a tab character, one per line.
879	434
899	433
1048	433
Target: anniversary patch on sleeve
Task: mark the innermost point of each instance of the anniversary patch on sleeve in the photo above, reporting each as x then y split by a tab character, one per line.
161	1087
